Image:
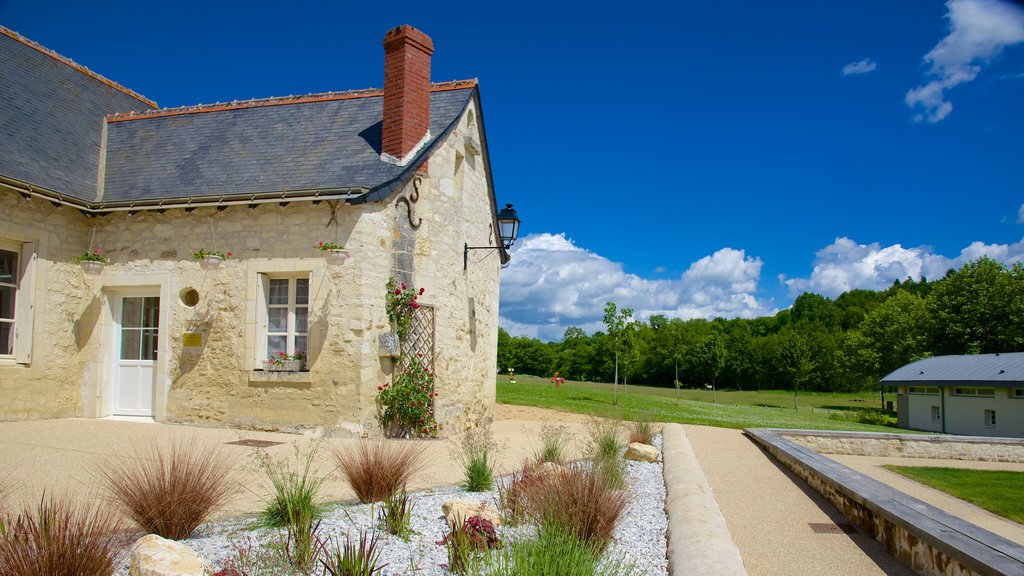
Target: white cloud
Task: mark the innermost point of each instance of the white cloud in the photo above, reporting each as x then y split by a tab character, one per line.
1020	214
860	67
845	265
552	284
978	31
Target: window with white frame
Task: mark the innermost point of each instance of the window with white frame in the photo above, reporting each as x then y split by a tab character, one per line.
287	315
936	414
1017	393
990	418
963	391
9	273
17	268
931	390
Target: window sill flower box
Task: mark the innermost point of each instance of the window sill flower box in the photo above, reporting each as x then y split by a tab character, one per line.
282	365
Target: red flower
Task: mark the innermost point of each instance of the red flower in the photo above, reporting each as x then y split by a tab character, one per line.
380	388
229	254
321	244
398	292
403	286
421	290
282	354
414	305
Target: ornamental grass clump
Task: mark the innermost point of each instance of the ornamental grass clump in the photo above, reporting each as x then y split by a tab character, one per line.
395	515
553	551
554	440
58	539
295	490
579	501
641	431
512	495
474	452
353	558
170	490
375	469
408	403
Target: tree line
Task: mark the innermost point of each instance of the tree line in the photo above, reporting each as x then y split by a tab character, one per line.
818	344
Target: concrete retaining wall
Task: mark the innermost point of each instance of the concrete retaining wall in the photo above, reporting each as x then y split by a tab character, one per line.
944	447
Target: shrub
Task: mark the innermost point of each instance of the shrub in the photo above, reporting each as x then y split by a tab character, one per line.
553	551
641	431
376	469
58	540
295	491
465	542
408	403
396	514
353	559
474	453
580	501
170	491
554	439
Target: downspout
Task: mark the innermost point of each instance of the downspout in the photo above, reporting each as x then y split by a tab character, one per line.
942	406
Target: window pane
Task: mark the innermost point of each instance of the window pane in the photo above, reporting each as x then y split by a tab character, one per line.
6	338
149	344
301	344
131	312
8	267
150	312
278	291
277	320
302	291
276	344
7	302
301	320
131	344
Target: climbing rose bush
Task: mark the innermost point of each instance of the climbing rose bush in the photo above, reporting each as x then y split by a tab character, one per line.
401	303
408	403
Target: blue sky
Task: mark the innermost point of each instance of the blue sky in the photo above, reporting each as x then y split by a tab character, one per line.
692	159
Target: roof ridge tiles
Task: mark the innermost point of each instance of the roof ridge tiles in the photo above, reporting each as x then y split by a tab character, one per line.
74	65
278	101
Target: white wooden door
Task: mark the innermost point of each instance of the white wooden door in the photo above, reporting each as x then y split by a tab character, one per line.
137	321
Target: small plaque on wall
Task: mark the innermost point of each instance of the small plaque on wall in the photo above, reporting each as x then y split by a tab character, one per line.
192	342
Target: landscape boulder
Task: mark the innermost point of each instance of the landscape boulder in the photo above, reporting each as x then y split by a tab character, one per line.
457	510
641	452
156	556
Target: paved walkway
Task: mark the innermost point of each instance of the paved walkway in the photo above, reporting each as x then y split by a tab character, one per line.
771	513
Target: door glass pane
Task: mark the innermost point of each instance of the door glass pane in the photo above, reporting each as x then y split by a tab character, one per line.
8	267
300	344
131	312
302	291
301	320
277	320
6	338
276	344
278	291
7	302
131	344
149	344
150	312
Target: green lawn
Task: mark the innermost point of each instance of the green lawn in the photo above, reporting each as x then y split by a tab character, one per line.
998	491
734	409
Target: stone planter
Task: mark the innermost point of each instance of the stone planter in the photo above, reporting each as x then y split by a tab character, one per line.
336	257
389	344
211	262
92	268
287	366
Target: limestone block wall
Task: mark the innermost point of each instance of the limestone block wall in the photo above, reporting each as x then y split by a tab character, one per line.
50	385
457	211
912	446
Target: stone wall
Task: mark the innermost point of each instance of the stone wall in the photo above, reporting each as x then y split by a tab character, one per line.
70	373
912	446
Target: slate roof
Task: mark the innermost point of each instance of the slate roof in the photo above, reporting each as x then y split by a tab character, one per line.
1002	370
51	117
327	142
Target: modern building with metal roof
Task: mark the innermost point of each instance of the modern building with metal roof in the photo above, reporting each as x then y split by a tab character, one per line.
977	395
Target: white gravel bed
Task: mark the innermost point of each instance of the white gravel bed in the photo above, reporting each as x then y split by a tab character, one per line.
640	538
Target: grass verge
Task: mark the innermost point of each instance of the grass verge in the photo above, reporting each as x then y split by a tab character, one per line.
998	491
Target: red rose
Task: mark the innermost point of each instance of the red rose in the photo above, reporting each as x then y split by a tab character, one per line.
229	254
380	388
403	286
321	244
397	292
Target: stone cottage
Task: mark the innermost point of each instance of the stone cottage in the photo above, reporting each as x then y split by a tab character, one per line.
400	176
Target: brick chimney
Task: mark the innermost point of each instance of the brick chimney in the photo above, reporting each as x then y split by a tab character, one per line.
406	92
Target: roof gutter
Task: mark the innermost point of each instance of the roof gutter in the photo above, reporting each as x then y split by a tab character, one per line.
314	195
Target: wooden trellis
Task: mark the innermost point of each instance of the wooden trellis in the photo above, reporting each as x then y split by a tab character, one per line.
420	339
